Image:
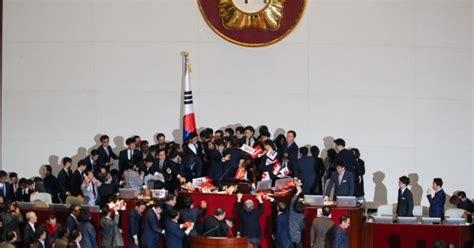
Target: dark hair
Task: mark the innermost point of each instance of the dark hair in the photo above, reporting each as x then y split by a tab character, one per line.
292	132
461	194
173	213
205	134
192	136
281	207
269	143
74	235
104	211
129	141
170	197
230	131
332	154
85	215
239	129
340	142
265	134
48	168
159	204
103	138
219	212
37	180
188	201
40	231
141	203
299	207
343	218
438	181
304	150
13	174
219	142
159	135
356	152
11	235
144	142
134	137
3	173
94	152
66	160
81	162
404	179
219	131
149	159
51	217
62	231
314	151
250	128
340	163
327	211
73	206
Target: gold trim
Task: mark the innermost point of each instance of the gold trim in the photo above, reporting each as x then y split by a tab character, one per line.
253	44
252	13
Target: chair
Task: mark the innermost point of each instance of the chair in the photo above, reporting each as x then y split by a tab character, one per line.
454	213
41	204
387	210
418	211
75	200
41	196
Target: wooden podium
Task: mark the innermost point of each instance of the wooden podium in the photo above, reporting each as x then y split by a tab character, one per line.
211	242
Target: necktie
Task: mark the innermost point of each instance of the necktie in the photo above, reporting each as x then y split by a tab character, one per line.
131	155
161	165
106	151
340	178
93	189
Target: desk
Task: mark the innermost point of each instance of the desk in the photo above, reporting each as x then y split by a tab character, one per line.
355	229
209	242
416	235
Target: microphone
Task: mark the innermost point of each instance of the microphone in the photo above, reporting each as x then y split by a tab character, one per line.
212	229
222	177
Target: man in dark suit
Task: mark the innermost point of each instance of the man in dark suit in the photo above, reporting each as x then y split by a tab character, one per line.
106	154
191	213
148	167
78	178
72	220
213	226
218	159
135	224
6	189
127	155
305	170
107	190
64	179
161	139
41	238
174	234
249	219
347	156
92	162
437	198
464	202
290	149
51	183
29	231
152	227
343	180
340	236
282	225
191	167
405	198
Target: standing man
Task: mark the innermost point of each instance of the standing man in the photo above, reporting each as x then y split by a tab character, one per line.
174	234
290	150
405	198
51	183
128	155
6	189
64	179
437	198
343	180
249	219
90	190
340	236
320	227
135	224
78	178
306	171
152	227
106	154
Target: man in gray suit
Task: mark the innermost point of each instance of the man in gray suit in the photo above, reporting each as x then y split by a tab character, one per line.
320	227
343	180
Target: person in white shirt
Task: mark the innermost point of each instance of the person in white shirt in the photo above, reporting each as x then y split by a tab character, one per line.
89	189
29	232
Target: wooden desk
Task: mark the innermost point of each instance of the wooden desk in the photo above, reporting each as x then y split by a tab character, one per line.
209	242
416	235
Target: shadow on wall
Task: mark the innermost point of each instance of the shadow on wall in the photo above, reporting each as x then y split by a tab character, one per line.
328	144
416	189
81	154
56	165
380	192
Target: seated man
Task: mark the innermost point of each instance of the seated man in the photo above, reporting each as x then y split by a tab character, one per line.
343	180
437	198
213	226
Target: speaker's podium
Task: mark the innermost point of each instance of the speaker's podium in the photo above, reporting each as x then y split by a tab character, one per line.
206	242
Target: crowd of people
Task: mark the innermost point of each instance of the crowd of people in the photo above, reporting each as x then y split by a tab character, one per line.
215	154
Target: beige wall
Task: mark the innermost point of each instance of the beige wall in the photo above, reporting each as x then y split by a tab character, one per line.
393	77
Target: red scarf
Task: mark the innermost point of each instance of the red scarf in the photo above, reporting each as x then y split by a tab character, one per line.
52	229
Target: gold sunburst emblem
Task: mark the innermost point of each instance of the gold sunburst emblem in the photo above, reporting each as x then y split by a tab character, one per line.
268	16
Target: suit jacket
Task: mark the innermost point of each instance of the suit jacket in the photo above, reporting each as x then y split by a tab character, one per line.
346	188
360	171
466	205
28	235
111	236
76	182
134	224
106	190
249	221
437	204
6	244
64	181
192	214
72	244
51	184
39	245
7	192
405	203
61	243
350	161
340	238
103	157
212	227
292	151
217	166
151	228
282	230
319	229
92	165
191	167
174	234
305	170
71	223
89	235
124	161
24	194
